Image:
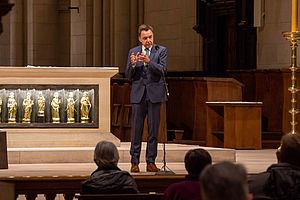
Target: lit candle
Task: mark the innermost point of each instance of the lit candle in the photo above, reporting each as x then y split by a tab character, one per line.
294	15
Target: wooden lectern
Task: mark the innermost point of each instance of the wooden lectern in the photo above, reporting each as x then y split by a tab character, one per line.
234	125
187	107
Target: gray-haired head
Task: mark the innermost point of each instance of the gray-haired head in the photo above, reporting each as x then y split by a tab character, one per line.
106	155
224	180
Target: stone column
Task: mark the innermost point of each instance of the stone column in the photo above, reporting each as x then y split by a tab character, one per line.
128	15
17	34
42	34
82	33
5	7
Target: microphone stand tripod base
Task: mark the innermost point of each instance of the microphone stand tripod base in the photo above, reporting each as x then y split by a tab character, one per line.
164	172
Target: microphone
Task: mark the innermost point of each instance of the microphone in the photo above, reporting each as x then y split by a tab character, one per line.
167	89
166	84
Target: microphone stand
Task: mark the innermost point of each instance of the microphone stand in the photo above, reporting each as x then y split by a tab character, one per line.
165	170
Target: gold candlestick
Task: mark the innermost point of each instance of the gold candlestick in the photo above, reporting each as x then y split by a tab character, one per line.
293	38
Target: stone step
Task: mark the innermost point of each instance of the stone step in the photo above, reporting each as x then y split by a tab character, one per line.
174	153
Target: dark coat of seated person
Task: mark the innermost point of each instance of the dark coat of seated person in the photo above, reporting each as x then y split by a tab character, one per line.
195	161
281	180
108	178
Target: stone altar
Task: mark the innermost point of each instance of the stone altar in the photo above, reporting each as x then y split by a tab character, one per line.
62	134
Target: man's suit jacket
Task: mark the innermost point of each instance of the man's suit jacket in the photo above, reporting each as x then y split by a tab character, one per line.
153	80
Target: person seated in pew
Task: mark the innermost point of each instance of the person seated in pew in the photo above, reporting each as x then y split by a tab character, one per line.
108	178
280	180
224	180
195	161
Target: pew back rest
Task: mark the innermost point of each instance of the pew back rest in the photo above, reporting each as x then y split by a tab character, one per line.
138	196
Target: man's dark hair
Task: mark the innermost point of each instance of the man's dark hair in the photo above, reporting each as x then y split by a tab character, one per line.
144	27
289	150
195	161
224	180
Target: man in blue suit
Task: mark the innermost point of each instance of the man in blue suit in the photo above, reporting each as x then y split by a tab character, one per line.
146	67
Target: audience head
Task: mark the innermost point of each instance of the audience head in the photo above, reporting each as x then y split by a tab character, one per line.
224	180
106	155
195	161
289	150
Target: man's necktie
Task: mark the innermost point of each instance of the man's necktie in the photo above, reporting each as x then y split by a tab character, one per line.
147	54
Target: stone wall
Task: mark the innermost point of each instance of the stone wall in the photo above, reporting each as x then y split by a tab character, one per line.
100	33
273	51
174	21
97	32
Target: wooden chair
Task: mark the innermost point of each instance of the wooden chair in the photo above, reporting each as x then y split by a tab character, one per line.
138	196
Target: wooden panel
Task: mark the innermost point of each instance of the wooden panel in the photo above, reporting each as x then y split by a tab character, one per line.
139	196
199	117
72	184
215	125
271	88
240	123
9	189
248	79
126	116
121	115
242	127
3	150
117	109
181	106
188	96
162	130
221	89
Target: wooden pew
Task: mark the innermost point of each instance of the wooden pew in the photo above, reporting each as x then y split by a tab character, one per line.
138	196
68	186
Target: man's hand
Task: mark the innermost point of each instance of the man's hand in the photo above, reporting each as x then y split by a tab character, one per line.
134	58
144	58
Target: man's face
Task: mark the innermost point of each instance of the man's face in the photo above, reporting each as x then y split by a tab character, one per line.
146	38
